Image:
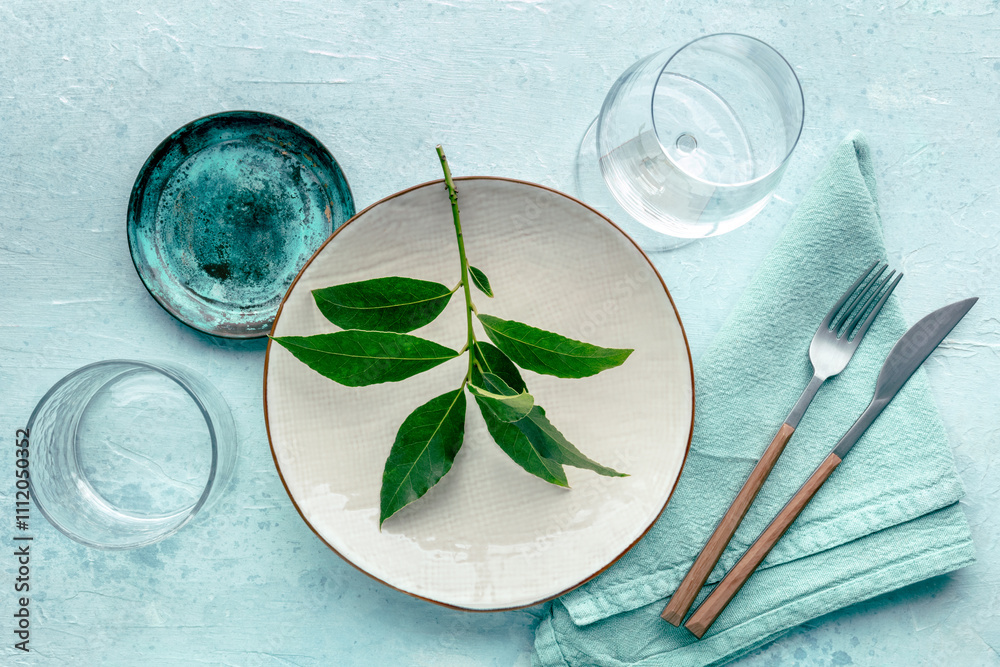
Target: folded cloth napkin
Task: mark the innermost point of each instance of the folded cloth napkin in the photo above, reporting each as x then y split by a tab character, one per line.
886	518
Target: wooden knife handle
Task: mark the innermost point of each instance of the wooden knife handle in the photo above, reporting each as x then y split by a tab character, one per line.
703	617
696	577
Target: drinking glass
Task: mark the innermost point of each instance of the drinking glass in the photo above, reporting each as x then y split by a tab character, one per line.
692	143
125	453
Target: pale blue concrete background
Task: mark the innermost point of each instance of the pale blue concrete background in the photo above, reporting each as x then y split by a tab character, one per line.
89	89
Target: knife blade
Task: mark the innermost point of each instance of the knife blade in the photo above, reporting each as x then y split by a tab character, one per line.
904	359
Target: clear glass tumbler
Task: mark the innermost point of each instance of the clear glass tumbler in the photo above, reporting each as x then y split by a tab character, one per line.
692	143
125	453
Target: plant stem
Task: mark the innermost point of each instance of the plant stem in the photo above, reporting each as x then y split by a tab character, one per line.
453	196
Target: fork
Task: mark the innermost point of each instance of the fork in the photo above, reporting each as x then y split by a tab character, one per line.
836	339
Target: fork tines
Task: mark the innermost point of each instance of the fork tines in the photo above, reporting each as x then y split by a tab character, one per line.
864	298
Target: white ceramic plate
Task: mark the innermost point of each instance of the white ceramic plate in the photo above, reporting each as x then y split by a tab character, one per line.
489	536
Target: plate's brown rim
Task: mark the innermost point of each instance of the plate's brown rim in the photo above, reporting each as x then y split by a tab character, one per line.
267	356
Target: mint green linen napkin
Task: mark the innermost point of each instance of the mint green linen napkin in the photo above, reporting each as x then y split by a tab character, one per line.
887	517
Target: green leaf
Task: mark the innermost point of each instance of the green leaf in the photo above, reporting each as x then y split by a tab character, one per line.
549	353
549	441
518	447
359	358
491	360
383	304
537	428
505	403
425	448
480	280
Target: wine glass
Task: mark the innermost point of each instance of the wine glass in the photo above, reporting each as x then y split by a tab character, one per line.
692	143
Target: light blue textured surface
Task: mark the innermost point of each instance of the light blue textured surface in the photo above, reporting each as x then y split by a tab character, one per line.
508	87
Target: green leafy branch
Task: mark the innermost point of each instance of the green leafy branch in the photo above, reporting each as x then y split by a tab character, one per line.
375	346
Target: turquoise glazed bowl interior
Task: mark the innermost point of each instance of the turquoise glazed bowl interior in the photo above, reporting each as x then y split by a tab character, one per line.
224	214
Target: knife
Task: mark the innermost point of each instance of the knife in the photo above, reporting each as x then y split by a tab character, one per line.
906	356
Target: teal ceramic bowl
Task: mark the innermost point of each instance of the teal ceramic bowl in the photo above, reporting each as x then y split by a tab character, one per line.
224	214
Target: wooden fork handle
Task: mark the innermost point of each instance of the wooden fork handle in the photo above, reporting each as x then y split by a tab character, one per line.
703	617
696	577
